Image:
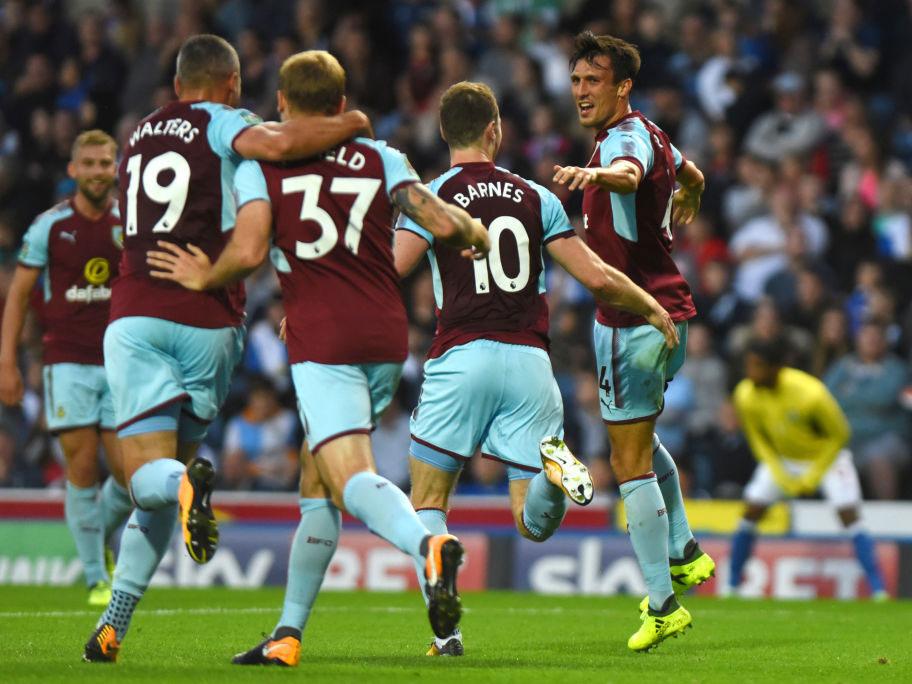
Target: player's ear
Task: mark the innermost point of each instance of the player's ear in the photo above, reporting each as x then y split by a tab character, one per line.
281	102
177	86
71	169
624	87
342	104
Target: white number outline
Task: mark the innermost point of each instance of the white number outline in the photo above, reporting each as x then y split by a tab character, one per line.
364	189
492	263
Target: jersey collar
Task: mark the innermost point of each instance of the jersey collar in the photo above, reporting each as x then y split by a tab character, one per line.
602	134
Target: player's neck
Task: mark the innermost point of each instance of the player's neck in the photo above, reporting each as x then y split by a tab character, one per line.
623	111
203	95
469	155
89	209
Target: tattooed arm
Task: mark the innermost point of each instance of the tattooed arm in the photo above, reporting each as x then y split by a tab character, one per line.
447	222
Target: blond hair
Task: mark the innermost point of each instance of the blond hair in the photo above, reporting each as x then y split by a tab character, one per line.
312	81
94	137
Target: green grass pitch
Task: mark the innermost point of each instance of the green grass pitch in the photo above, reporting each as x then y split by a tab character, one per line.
182	635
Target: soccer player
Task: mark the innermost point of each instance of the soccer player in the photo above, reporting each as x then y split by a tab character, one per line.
170	352
488	379
75	247
629	204
798	435
331	219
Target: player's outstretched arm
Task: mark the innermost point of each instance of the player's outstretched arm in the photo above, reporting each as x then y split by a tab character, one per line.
686	202
611	286
11	387
300	137
621	176
446	222
245	251
408	250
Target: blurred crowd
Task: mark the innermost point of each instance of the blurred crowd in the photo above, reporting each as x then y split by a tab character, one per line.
798	113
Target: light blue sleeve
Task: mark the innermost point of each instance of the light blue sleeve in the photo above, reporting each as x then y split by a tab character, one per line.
554	218
224	125
249	183
678	157
405	223
34	251
630	140
396	167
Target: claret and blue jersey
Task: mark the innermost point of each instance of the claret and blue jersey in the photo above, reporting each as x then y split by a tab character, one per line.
500	297
633	232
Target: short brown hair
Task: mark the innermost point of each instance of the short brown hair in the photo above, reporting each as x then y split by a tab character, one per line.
206	59
624	56
466	109
89	138
312	81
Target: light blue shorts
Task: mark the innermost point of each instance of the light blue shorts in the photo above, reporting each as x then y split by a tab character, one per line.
154	364
501	397
634	366
335	400
77	395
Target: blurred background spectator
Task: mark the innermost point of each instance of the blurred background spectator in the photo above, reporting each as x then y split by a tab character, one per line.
799	114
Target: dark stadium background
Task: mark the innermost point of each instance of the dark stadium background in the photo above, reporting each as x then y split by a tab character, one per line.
799	114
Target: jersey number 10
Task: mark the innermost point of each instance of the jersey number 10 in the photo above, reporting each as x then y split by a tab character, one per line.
492	263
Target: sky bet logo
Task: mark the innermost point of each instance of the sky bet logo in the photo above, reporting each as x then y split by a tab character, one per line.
97	271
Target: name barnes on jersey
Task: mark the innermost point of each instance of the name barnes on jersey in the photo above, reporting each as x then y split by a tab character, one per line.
485	189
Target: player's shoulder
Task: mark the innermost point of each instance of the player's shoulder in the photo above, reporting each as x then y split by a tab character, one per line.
801	381
217	110
744	391
540	191
635	125
55	214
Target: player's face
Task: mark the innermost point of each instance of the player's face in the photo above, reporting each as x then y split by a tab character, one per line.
759	371
94	169
599	100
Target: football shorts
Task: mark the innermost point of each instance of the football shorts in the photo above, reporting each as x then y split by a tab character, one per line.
77	395
500	397
633	367
840	485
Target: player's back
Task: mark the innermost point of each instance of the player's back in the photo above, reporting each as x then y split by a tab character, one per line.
632	232
332	224
175	182
499	297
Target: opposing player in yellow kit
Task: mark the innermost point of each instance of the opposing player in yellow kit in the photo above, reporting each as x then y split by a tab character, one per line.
799	435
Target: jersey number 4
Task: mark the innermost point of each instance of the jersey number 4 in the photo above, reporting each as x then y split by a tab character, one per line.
174	194
364	189
492	263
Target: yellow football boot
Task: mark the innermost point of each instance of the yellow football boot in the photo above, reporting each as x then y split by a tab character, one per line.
656	628
100	594
686	575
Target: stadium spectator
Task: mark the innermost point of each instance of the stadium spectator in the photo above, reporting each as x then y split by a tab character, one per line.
868	385
261	449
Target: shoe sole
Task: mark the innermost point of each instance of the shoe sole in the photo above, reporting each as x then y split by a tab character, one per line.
444	605
574	479
200	530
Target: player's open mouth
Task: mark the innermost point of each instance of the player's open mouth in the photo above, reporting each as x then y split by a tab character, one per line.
585	107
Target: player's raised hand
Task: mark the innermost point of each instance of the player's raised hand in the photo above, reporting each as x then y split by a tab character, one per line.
685	206
661	321
578	177
11	387
188	267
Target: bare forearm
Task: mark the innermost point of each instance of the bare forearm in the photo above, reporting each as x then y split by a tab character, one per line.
14	313
235	263
448	223
620	177
619	291
691	178
300	137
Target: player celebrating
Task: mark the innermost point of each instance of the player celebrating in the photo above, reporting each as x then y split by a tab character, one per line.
170	352
629	203
798	435
75	246
488	379
346	333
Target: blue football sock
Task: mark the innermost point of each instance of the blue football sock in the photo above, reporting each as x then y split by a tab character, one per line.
435	521
864	551
156	483
666	471
544	508
83	516
143	544
386	511
115	506
647	523
119	612
311	552
741	548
